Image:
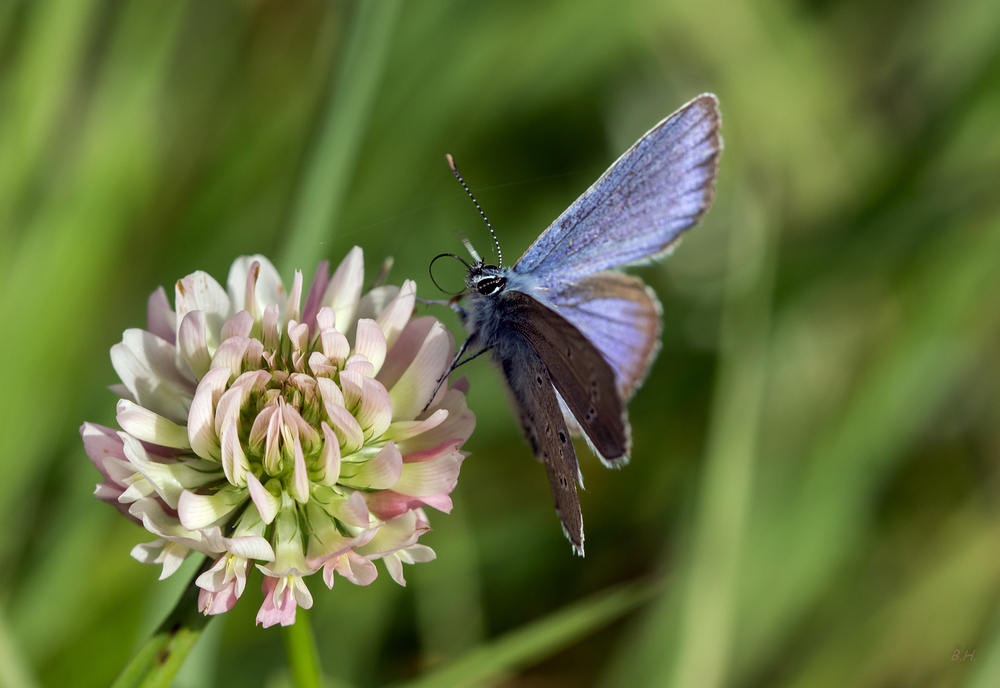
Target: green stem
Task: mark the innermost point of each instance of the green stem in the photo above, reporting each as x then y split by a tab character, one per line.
330	167
302	656
161	657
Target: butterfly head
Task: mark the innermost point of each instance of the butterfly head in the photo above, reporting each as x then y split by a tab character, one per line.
485	280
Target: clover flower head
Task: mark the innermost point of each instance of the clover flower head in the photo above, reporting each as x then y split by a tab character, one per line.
258	429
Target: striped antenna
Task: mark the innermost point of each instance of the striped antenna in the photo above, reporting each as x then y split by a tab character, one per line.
451	164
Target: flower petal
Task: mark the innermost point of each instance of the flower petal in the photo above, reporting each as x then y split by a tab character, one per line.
412	390
160	318
395	316
329	457
200	292
240	325
458	426
267	504
268	288
147	426
370	342
197	511
234	460
147	366
378	473
169	479
192	349
202	436
438	475
344	290
313	302
346	427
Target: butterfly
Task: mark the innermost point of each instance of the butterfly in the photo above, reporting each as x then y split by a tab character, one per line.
573	337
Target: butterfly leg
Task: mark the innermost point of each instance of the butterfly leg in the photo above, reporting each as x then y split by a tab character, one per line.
456	362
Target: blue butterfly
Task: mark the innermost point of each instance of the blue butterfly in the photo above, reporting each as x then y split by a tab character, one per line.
573	337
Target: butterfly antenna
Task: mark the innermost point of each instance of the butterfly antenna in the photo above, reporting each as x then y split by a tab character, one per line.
451	164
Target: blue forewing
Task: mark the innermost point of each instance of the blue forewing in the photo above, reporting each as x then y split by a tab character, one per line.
573	337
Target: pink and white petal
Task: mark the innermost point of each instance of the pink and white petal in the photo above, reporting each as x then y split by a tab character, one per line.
378	473
438	476
395	568
101	443
268	289
298	488
356	569
240	325
122	391
359	364
344	290
393	319
350	383
160	317
353	511
370	342
267	504
335	346
192	344
279	603
374	413
316	290
417	554
217	577
346	428
406	348
395	534
200	292
458	427
405	429
232	353
147	426
329	456
197	511
387	504
326	319
269	327
301	592
250	547
412	391
147	367
326	542
330	392
211	603
202	436
374	302
170	554
293	309
234	460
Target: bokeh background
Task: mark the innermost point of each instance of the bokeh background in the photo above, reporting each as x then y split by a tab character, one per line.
814	495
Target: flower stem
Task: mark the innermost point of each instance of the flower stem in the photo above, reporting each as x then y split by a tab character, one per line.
301	648
330	167
161	657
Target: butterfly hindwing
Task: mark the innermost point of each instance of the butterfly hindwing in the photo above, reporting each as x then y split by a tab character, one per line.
584	379
620	315
544	428
659	187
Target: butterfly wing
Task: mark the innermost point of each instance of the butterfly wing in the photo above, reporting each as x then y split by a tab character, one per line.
661	186
584	380
620	315
544	428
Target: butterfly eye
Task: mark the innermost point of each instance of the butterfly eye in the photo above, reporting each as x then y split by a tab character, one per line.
491	285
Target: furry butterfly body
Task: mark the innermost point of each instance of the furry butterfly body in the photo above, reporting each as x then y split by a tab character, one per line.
573	337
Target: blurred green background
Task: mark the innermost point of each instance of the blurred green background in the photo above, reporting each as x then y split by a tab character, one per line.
814	495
